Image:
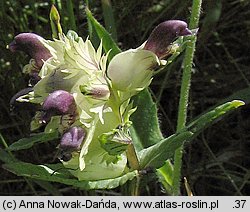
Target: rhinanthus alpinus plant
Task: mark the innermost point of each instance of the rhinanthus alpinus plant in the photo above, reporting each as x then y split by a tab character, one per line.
96	104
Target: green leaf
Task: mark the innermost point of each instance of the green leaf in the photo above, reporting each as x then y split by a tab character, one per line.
145	130
26	143
156	155
109	18
6	157
205	120
53	174
165	174
107	41
70	12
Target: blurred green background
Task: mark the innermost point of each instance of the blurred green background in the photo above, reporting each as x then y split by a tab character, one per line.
217	162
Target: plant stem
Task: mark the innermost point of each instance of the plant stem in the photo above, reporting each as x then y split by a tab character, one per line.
135	186
184	93
5	144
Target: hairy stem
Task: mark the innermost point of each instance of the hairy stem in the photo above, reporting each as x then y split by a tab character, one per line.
184	93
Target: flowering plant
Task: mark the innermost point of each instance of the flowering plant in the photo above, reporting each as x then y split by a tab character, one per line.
95	104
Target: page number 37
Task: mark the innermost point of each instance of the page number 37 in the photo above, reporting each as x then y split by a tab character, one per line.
239	203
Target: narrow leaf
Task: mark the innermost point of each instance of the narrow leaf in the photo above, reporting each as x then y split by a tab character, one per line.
156	155
70	11
109	18
107	40
42	172
6	157
26	143
205	120
92	32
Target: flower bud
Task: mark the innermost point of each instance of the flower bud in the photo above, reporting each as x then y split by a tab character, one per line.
164	34
71	141
100	92
59	102
32	45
